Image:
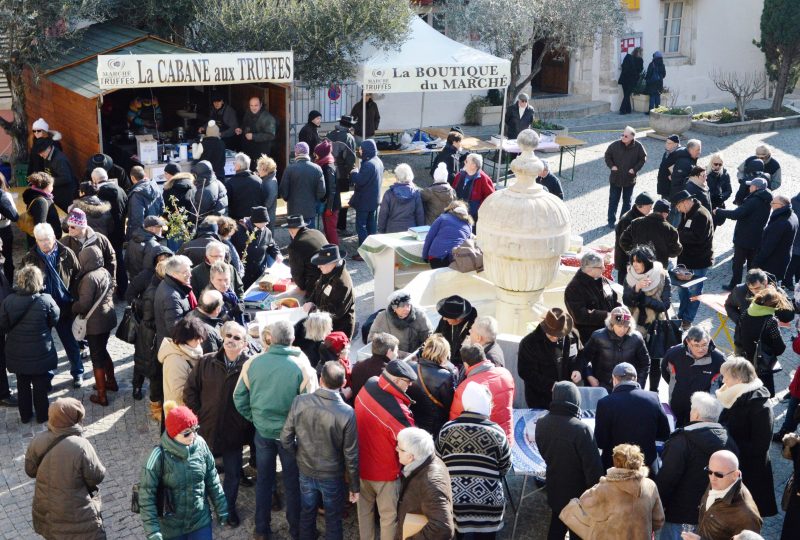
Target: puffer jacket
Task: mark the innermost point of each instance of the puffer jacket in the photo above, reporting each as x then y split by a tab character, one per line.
178	361
367	180
209	393
605	349
210	198
687	375
98	214
181	186
681	479
433	382
588	302
681	162
751	218
719	187
27	319
139	243
145	199
95	283
138	285
426	490
401	208
435	199
302	186
195	248
170	304
116	197
189	474
448	232
321	431
66	503
411	331
500	383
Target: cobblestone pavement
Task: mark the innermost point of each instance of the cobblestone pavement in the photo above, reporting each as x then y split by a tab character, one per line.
123	435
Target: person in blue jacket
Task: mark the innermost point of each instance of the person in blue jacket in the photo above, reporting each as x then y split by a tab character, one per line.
366	191
401	206
447	232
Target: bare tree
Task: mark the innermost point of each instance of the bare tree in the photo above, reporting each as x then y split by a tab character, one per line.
742	86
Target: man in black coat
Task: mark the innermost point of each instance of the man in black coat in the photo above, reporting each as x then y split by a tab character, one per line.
142	240
642	206
56	164
519	116
333	291
209	307
550	181
213	150
775	249
171	301
245	189
654	230
742	295
548	355
672	144
569	451
680	164
260	251
630	415
692	366
589	296
682	479
115	172
624	158
195	249
114	195
305	243
751	218
696	233
309	133
226	120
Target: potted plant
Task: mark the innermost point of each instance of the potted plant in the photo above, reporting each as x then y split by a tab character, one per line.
544	125
668	120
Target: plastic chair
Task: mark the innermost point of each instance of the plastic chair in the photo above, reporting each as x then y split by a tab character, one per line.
590	395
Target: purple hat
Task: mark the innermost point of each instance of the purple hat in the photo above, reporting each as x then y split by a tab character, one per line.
301	148
77	218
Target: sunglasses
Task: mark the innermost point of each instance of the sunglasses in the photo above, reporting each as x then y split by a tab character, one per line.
717	474
188	432
38	131
234	337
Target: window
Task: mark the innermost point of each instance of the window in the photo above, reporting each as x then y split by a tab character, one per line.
673	16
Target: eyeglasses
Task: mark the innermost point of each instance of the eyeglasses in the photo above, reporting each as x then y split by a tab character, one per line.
38	131
234	337
188	432
717	474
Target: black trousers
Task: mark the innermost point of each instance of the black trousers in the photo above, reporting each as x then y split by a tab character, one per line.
98	350
625	106
476	536
792	272
122	274
7	236
436	262
157	383
32	394
5	391
740	257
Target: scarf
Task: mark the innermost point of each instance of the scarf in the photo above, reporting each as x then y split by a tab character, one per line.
756	310
414	465
464	189
327	160
53	284
727	395
716	494
655	275
40	193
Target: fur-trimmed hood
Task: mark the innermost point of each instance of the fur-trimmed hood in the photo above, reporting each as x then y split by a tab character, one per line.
92	206
628	480
180	178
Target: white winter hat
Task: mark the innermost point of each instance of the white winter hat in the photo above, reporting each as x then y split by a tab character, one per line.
41	124
476	398
440	174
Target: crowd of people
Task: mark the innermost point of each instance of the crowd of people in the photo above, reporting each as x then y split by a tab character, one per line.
418	435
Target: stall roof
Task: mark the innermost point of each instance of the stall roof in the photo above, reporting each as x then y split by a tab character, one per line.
94	40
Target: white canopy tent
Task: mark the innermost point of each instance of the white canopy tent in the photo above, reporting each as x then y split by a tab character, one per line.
429	61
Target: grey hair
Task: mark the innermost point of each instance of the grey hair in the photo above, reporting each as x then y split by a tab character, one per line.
706	406
282	333
716	155
383	342
177	262
749	535
691	143
783	199
242	160
403	173
764	148
610	323
210	300
43	231
486	326
29	279
697	333
232	325
417	442
477	159
219	267
591	259
99	174
318	325
630	131
216	246
738	367
545	165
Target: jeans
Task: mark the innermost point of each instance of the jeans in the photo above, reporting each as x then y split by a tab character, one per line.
98	350
792	272
36	399
789	423
655	101
333	493
614	194
64	330
199	534
267	451
366	224
740	257
687	310
232	469
671	531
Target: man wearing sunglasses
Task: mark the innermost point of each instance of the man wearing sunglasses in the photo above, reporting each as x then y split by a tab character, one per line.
727	508
625	158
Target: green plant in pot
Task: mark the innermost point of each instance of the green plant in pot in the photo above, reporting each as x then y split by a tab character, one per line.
472	112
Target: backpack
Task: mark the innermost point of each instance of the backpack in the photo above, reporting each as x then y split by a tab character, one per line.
25	221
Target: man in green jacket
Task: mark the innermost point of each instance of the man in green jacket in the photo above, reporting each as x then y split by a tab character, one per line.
264	395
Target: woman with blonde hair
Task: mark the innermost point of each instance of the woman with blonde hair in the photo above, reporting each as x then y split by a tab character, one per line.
433	392
719	184
266	169
624	504
401	206
448	232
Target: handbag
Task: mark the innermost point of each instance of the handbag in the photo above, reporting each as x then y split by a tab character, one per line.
25	221
127	329
79	324
763	361
662	335
164	503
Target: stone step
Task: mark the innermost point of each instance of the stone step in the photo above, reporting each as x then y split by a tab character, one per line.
551	102
575	110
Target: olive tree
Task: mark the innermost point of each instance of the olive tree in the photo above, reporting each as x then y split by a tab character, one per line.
325	35
780	42
510	28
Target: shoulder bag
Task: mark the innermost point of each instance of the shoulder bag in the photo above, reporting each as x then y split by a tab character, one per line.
25	221
79	324
127	329
762	360
662	335
425	389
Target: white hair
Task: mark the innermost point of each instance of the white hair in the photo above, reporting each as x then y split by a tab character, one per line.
282	332
232	325
318	325
748	535
177	263
545	165
43	231
764	148
691	143
706	406
486	326
477	159
591	259
416	442
242	160
630	131
100	175
404	174
216	246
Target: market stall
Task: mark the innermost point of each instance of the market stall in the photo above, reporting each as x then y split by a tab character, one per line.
141	99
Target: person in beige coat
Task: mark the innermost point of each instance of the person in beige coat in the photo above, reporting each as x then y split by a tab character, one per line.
624	504
66	503
180	354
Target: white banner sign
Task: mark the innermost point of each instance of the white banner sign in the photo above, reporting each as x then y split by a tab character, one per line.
144	70
436	78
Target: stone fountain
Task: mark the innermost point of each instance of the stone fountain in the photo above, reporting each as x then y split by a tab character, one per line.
522	230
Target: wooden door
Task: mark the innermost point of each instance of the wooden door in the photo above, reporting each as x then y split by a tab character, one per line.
554	75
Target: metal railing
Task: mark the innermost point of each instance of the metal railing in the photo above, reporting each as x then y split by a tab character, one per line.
332	102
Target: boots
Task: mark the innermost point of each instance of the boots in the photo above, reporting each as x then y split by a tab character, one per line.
100	382
111	381
155	410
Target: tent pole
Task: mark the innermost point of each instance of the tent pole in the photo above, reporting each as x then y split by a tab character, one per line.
502	129
364	112
422	113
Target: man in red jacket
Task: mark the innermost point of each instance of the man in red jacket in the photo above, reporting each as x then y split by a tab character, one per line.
382	411
498	380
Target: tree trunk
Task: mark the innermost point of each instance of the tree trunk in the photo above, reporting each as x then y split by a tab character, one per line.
781	83
536	67
17	127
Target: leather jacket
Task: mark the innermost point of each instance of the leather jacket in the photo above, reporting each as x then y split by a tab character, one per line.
321	430
728	516
440	382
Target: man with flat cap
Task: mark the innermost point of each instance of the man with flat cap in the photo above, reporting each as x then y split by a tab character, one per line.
382	411
333	292
653	230
696	232
457	318
548	355
519	116
642	206
306	242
